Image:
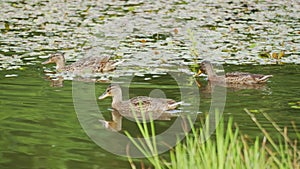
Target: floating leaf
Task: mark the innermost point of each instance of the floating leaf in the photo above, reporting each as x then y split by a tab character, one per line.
6	25
281	54
143	40
131	8
101	18
264	55
253	45
176	31
87	9
275	55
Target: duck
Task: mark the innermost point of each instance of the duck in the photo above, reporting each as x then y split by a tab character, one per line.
242	78
138	105
91	64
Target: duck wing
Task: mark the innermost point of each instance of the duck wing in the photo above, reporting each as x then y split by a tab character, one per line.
149	104
246	78
93	64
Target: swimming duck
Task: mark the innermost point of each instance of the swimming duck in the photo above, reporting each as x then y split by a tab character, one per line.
233	77
139	104
92	64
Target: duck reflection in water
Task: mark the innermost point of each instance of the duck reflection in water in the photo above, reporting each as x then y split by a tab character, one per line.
209	86
116	123
58	81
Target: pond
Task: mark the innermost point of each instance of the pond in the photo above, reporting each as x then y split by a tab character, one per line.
157	41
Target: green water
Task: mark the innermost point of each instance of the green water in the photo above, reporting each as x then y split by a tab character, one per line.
39	125
40	129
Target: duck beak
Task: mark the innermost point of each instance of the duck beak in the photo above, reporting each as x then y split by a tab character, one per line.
198	73
104	95
47	62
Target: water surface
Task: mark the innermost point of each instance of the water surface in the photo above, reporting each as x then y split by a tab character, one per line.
39	126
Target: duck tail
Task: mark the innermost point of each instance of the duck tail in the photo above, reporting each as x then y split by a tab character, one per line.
174	105
265	78
117	63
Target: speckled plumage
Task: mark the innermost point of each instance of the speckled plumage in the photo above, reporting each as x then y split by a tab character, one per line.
139	104
233	77
89	64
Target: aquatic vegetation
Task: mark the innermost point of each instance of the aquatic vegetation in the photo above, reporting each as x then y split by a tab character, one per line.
153	37
228	149
137	29
277	56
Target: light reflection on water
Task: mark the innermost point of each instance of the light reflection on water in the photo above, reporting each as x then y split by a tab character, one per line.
39	128
39	125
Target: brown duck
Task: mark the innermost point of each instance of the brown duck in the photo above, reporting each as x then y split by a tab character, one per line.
233	77
90	64
139	104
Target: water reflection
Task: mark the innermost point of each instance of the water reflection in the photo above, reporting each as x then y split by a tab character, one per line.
58	80
37	118
116	123
207	87
33	114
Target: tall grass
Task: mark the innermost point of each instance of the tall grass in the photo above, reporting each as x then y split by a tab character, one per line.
228	149
147	145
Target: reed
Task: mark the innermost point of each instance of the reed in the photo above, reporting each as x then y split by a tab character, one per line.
228	149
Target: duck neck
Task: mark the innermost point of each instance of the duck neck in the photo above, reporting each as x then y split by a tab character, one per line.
60	65
209	71
117	97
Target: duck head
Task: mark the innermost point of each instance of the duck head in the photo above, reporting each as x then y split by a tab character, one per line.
57	58
54	58
204	66
112	90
